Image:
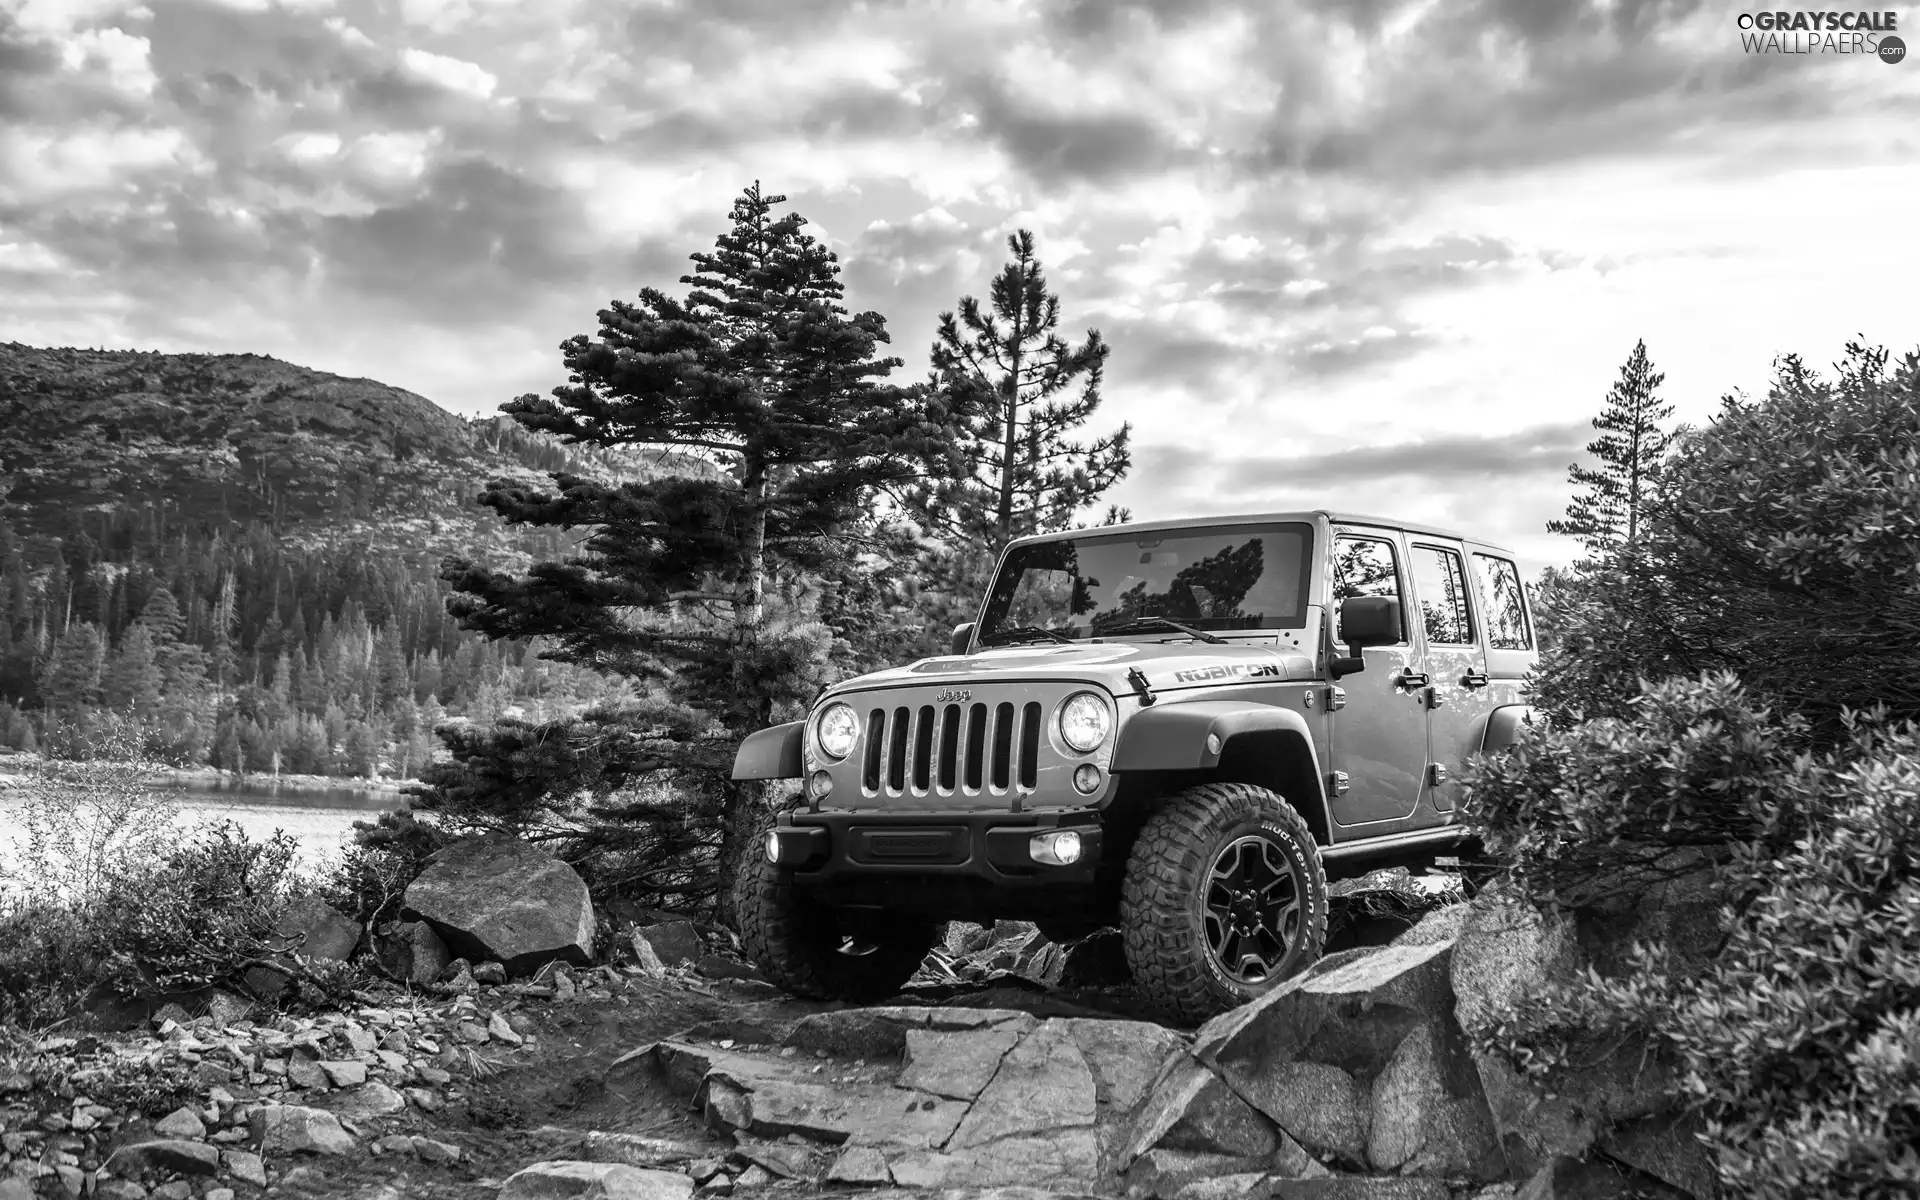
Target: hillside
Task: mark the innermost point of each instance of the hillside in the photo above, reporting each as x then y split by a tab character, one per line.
244	554
213	441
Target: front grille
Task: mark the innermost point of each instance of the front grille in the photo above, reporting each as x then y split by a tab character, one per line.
951	749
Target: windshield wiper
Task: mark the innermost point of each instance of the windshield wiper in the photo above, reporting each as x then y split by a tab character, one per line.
1024	633
1142	624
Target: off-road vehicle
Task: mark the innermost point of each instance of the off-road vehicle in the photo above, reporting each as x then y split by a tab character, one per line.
1182	728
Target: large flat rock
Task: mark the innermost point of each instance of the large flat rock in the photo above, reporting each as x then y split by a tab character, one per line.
1043	1086
881	1031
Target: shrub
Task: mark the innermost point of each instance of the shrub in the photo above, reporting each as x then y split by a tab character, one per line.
1800	1041
185	912
1782	543
1575	810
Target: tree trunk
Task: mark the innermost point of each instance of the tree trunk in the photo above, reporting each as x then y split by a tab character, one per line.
1003	522
740	801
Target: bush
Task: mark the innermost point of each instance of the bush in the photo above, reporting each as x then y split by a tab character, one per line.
181	913
1799	1042
1577	811
1782	543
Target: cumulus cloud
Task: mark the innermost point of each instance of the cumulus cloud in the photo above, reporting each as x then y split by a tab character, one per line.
1445	216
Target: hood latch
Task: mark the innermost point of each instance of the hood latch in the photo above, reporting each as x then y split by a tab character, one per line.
1138	679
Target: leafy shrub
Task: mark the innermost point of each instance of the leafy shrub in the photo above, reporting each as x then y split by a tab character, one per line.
1799	1042
370	880
183	913
1576	810
1782	543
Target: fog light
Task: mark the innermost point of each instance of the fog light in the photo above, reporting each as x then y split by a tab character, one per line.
1059	849
820	784
1086	779
773	846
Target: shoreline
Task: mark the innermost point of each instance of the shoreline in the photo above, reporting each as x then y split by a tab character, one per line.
15	771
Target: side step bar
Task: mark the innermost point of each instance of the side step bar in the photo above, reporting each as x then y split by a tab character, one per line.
1387	846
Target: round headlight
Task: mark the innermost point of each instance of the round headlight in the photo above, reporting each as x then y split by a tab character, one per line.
836	730
1084	722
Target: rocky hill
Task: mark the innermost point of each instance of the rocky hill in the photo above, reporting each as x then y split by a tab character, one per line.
227	440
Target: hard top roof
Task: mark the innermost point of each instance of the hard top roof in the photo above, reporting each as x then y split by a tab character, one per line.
1310	515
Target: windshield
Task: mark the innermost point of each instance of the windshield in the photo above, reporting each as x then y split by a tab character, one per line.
1233	578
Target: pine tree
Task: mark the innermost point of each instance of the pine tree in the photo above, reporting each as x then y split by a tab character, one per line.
70	678
162	618
761	372
132	679
1609	516
1007	374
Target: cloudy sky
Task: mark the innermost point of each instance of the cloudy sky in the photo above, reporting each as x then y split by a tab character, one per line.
1361	253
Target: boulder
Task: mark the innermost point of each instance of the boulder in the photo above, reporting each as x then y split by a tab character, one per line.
772	1105
368	1102
1565	1178
1224	1187
1125	1056
312	928
1160	1174
1352	1015
1505	951
176	1155
594	1181
495	897
1443	924
861	1165
1317	1104
1191	1108
881	1031
1360	1187
1667	1148
281	1128
1066	1158
956	1064
1042	1085
1427	1120
675	943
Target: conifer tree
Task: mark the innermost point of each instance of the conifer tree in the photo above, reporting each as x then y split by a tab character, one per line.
132	679
761	376
1611	513
1008	373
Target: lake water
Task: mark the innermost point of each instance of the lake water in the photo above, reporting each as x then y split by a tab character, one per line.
322	821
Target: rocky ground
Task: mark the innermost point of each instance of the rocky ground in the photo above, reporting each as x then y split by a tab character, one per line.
1012	1067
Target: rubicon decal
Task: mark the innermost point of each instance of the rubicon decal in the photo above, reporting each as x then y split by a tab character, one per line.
1230	671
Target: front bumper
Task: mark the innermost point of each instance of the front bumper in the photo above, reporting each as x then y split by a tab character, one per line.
986	848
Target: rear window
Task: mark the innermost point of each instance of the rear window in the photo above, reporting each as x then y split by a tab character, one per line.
1500	599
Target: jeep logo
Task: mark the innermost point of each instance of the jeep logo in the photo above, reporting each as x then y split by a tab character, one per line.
1235	670
953	696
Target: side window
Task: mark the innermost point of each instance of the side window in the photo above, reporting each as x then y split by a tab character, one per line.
1440	583
1363	567
1500	599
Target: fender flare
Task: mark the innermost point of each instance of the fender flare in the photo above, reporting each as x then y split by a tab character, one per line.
772	753
1504	725
1173	737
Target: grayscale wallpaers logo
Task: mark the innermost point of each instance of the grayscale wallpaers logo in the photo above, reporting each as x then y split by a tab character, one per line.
1870	34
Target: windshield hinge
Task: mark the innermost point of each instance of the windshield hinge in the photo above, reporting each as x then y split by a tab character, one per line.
1138	679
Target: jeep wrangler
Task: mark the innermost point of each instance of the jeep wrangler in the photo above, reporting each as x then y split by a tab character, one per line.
1182	728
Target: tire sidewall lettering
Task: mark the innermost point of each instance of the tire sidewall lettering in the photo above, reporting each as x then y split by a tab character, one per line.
1300	862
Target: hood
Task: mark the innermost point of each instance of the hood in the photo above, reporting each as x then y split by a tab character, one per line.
1168	666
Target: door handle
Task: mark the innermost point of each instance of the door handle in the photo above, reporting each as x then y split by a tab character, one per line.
1413	679
1475	679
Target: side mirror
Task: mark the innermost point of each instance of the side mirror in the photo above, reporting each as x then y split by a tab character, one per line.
1365	621
962	634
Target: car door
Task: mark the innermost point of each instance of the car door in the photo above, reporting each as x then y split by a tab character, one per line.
1457	694
1512	647
1379	737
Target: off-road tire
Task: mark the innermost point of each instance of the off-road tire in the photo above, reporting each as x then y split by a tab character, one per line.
796	941
1163	897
